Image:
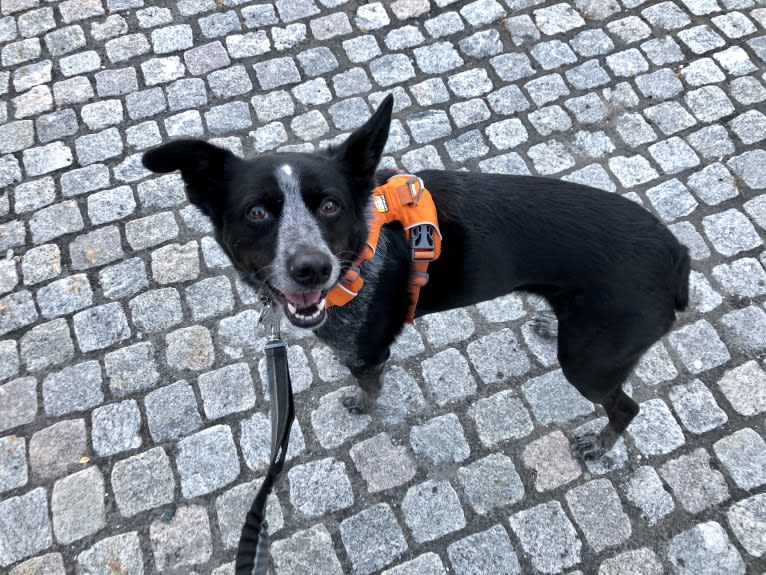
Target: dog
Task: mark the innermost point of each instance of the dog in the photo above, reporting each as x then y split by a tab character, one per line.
293	223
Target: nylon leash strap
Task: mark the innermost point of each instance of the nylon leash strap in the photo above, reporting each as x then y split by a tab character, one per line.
253	549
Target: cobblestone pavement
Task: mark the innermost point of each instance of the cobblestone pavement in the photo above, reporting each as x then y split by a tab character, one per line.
133	422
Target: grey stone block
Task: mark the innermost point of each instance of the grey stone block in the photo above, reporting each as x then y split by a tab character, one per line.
123	549
319	487
699	347
490	483
307	551
142	482
701	39
64	296
382	464
55	221
488	551
57	449
745	330
207	461
696	407
332	422
25	528
13	463
391	69
40	264
694	483
644	489
372	538
550	458
440	440
731	232
597	509
116	428
175	263
112	26
65	40
749	166
547	537
123	279
101	327
227	390
743	454
20	402
182	541
705	549
499	418
49	564
30	196
74	388
9	359
46	159
432	510
448	377
654	430
747	519
77	505
171	412
644	559
554	400
46	345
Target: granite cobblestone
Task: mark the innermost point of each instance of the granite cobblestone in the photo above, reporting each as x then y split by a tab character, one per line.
134	416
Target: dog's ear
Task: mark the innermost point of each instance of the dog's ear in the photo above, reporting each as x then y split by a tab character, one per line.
203	168
361	152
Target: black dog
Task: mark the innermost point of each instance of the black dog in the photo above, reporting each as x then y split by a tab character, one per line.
293	223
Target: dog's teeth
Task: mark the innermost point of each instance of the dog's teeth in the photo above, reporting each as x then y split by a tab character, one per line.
291	308
321	304
316	314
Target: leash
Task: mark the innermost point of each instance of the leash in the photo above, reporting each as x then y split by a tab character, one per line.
253	549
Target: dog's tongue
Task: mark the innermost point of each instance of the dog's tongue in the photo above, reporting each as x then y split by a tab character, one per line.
305	299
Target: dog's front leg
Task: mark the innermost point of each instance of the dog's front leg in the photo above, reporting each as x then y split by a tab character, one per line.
370	379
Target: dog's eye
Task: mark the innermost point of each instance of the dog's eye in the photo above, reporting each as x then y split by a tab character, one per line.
257	213
330	207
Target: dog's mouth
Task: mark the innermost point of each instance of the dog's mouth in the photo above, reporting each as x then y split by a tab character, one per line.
306	310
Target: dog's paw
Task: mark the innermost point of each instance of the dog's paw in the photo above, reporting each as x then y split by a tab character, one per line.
588	446
545	326
356	402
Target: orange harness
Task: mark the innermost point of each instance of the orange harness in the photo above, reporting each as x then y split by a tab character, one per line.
403	198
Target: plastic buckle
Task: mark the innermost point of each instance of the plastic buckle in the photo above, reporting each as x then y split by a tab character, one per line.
422	243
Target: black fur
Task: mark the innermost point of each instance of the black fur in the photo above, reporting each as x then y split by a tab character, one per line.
614	275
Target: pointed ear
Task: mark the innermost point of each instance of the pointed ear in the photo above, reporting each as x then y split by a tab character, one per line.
203	168
361	152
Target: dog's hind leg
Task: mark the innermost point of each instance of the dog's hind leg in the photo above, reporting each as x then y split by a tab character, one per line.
620	409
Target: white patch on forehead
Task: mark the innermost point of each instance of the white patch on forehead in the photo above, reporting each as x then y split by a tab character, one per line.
288	181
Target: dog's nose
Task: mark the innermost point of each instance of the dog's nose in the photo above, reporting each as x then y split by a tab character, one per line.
310	268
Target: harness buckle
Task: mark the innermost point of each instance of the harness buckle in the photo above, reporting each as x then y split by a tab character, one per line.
422	244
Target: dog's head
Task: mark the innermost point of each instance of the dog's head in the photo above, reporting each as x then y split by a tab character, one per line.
291	221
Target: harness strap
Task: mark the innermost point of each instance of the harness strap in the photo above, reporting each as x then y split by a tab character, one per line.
403	198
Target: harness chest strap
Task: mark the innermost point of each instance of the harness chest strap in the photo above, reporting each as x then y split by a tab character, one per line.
403	198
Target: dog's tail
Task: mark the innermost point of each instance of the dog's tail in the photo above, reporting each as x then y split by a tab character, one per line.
681	272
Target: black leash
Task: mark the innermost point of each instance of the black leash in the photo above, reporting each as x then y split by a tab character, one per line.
253	549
